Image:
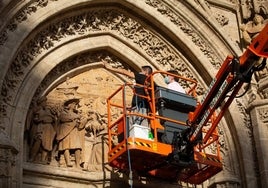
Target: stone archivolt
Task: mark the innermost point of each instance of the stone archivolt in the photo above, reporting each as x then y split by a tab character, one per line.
187	28
21	16
92	22
84	25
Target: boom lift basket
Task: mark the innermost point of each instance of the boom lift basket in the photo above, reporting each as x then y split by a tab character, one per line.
132	147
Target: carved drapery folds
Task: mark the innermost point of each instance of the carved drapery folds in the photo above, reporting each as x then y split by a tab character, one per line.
76	111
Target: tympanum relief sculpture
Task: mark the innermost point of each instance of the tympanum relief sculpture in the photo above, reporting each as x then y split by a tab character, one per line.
67	127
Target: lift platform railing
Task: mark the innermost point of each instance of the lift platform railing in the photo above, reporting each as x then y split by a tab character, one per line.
152	116
118	127
201	147
191	91
119	132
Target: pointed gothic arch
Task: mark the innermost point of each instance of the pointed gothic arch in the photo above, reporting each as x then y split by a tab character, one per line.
122	29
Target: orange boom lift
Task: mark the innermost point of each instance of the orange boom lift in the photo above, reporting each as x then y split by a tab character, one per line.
181	130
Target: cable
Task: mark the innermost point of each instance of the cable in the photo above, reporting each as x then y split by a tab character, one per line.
246	90
254	69
238	96
130	180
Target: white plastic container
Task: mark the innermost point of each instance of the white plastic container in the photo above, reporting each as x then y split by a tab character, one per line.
139	131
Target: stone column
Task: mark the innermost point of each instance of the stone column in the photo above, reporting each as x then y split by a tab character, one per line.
8	154
259	116
258	111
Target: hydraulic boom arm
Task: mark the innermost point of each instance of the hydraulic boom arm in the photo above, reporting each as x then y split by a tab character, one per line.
228	81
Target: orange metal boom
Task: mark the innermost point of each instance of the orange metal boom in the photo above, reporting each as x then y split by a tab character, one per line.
228	81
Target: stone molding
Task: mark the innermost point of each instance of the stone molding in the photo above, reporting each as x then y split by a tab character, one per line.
22	15
86	24
188	29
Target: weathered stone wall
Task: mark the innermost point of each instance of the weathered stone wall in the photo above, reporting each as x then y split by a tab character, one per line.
55	49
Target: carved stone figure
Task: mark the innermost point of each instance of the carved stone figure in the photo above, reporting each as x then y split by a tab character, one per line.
99	157
249	31
42	131
252	28
68	132
96	116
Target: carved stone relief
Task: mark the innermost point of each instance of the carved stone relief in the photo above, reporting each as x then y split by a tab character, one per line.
91	88
263	114
85	24
42	130
188	29
250	7
245	116
250	30
219	16
74	116
21	16
248	125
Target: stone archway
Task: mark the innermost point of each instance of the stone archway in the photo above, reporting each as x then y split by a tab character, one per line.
51	36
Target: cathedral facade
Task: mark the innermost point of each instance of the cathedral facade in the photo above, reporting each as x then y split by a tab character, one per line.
51	59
